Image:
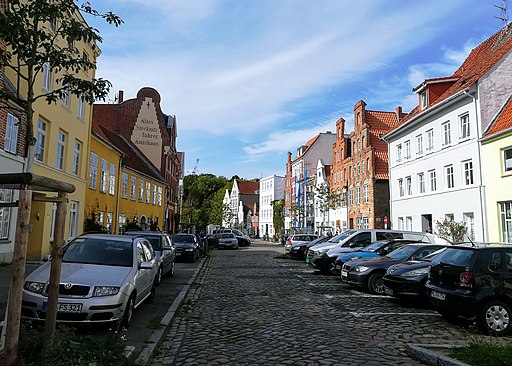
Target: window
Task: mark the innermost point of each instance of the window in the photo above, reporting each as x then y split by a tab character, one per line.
506	221
124	185
366	223
449	217
424	99
93	171
464	126
468	172
159	196
40	140
80	109
148	192
408	223
122	224
141	190
401	187
133	189
400	223
61	148
73	218
154	194
430	140
363	168
350	196
507	159
103	177
447	137
407	146
432	179
421	183
47	76
65	97
469	220
419	145
358	195
344	195
110	217
112	186
449	176
408	185
76	157
5	213
399	153
11	133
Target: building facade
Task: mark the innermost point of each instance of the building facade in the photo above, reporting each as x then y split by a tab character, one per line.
271	190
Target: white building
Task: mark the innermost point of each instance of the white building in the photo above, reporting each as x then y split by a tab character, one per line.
241	200
271	189
435	153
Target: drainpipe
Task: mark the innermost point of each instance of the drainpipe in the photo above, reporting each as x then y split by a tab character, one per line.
481	187
119	193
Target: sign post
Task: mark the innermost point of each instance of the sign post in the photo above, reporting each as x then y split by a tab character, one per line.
385	222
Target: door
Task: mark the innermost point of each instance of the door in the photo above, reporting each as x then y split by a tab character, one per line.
143	279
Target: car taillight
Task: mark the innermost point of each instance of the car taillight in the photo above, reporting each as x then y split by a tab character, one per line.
466	277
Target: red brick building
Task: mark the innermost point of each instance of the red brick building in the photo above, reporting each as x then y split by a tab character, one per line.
360	166
141	121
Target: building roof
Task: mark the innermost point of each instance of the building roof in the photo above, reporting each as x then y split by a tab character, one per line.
379	124
248	187
503	120
132	157
308	145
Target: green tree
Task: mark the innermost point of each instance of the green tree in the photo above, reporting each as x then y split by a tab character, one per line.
33	33
278	218
450	230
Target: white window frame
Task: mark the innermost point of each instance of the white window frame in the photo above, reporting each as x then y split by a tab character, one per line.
159	196
11	133
40	147
465	127
133	189
148	192
124	185
112	180
449	176
401	187
468	171
93	170
358	194
154	194
366	195
47	76
73	219
507	160
447	135
104	176
408	223
424	99
61	150
407	148
5	213
80	107
400	223
141	190
421	182
419	145
399	153
65	97
408	185
76	157
469	219
430	140
432	178
506	221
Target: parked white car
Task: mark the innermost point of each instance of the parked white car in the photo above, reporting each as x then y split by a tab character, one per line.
103	279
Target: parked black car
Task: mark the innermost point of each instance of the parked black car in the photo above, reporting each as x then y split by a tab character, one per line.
203	245
299	251
368	273
408	279
164	250
186	245
474	282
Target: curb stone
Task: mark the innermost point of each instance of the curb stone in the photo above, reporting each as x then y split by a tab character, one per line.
432	358
146	355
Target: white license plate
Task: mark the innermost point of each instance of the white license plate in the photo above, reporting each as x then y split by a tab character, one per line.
344	273
66	308
437	295
178	254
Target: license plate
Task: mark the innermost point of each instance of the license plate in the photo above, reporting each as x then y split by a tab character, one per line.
307	260
178	254
65	308
344	273
437	295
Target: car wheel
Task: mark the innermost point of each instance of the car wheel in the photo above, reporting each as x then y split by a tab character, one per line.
128	313
173	268
494	318
375	283
159	276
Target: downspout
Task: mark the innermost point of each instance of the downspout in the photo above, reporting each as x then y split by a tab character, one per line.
481	187
119	192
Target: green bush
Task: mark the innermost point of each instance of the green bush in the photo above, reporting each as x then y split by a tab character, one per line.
483	354
71	349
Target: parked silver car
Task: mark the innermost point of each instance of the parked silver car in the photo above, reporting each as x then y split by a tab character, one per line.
103	279
227	240
299	239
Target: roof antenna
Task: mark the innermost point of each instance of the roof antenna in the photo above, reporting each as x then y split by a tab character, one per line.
503	8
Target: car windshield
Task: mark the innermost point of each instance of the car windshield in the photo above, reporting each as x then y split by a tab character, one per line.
402	252
182	238
431	256
227	235
99	251
336	239
455	257
374	246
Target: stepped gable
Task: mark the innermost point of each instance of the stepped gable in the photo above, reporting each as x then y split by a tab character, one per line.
503	120
379	123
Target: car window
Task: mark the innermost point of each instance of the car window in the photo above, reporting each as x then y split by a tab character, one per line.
140	253
403	252
454	257
148	251
360	239
155	241
375	246
495	262
508	260
99	251
340	237
425	252
389	235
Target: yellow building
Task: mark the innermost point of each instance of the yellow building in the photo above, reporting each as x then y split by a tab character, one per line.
62	132
497	170
124	188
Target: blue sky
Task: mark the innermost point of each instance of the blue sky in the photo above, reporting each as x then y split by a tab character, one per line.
250	80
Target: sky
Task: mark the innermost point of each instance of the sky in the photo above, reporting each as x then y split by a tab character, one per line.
250	80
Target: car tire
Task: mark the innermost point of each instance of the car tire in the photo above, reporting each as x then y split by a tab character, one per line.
126	320
172	269
375	284
494	318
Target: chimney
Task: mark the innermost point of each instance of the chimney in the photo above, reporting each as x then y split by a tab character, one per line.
399	113
120	95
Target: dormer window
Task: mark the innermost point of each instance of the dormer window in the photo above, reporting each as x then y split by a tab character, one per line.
424	99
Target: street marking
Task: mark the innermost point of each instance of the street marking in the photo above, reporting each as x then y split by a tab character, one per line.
365	295
358	314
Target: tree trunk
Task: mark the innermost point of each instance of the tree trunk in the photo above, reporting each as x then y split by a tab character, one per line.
18	277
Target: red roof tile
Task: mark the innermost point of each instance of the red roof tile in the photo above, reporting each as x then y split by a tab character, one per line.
503	121
248	187
379	124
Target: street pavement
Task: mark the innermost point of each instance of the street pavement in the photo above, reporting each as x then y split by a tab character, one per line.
251	307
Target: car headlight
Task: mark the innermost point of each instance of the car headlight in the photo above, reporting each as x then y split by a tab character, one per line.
416	272
361	269
36	287
105	291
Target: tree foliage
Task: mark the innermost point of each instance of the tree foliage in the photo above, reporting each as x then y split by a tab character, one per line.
278	219
451	230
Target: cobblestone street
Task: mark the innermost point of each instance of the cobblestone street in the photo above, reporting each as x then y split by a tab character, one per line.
250	307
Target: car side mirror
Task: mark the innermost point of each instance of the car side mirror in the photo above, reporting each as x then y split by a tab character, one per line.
47	258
